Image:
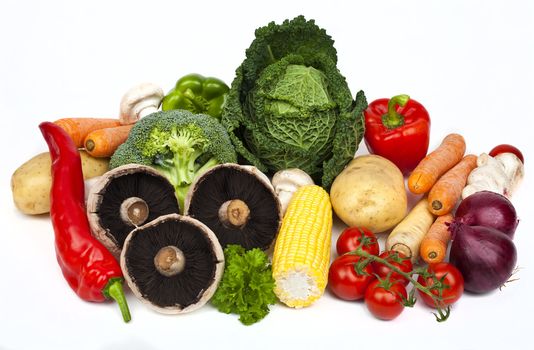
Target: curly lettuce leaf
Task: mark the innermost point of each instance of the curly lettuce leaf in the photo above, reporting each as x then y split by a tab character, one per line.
247	286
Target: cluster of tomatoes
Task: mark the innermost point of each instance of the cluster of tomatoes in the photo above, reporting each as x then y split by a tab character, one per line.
384	289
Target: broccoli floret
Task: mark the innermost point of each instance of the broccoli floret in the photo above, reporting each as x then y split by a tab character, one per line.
179	144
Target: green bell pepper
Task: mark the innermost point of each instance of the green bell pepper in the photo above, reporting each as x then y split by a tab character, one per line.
197	94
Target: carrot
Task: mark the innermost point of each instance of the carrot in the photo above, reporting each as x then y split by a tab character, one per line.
406	237
104	142
79	128
435	164
448	189
434	244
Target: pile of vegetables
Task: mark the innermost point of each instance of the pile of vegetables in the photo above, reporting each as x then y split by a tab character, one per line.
257	171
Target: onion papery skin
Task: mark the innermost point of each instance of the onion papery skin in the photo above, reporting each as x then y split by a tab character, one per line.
485	256
486	208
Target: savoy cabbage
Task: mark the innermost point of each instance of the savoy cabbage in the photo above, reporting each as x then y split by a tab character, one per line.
290	107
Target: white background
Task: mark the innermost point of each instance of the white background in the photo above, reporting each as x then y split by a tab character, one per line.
469	62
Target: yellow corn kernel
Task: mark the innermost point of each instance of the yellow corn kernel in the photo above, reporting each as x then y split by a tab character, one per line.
302	249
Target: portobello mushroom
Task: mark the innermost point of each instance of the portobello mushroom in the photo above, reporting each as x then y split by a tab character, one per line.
173	263
125	198
238	204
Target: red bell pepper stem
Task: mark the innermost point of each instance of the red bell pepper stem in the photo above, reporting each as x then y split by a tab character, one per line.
392	119
89	268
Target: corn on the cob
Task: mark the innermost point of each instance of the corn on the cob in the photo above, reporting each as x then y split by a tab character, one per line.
302	250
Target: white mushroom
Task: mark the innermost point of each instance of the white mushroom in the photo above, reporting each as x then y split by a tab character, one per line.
500	174
139	101
88	185
287	182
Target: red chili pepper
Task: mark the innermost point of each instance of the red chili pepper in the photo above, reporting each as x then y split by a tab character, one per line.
89	268
398	129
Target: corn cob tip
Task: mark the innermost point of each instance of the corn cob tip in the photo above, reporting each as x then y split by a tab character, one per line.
298	287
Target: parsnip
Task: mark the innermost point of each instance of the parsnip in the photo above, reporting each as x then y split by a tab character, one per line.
406	237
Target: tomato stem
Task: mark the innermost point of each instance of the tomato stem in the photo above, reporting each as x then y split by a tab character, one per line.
438	299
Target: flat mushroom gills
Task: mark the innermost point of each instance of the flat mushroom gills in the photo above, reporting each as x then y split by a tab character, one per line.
132	200
237	206
171	263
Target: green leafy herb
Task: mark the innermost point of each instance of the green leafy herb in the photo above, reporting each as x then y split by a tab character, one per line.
247	285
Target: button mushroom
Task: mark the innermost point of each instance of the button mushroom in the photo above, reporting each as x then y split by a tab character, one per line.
238	204
173	263
139	101
127	197
287	182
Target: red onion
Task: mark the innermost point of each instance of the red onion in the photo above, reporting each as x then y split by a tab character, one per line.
489	209
485	256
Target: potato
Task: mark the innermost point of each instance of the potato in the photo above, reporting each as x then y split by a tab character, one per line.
370	193
32	181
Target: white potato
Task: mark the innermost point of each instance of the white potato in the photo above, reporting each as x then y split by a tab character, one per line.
370	193
31	182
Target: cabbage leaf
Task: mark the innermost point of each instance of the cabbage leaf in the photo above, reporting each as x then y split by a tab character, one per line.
290	107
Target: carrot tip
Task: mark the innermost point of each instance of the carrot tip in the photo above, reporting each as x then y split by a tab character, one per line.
89	145
436	205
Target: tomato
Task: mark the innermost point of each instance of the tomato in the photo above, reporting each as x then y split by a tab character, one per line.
398	260
507	149
345	282
353	237
384	299
453	282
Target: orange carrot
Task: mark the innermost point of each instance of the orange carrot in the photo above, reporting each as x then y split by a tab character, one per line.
448	189
104	142
435	164
434	245
79	128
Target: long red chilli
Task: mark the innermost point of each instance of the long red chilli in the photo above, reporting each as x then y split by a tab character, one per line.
89	268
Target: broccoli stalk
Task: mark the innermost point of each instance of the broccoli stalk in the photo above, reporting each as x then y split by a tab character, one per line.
176	155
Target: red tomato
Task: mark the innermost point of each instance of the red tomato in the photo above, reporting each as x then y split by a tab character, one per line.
453	284
353	237
507	149
345	282
385	299
397	259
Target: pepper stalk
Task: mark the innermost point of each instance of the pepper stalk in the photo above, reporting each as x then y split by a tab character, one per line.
114	290
393	119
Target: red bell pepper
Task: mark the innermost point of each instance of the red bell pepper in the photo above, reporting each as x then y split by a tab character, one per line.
89	268
398	129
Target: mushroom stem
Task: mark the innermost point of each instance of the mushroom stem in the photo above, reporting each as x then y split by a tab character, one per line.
146	111
169	261
134	211
234	213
